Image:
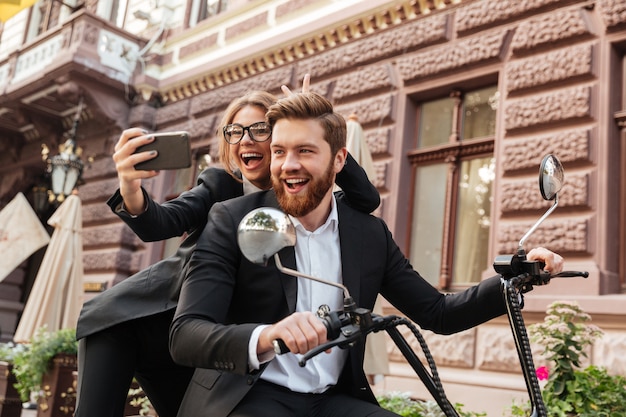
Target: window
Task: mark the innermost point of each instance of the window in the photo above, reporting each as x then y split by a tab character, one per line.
47	14
203	9
453	170
113	10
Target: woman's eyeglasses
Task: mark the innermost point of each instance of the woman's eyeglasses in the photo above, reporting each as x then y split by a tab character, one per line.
258	132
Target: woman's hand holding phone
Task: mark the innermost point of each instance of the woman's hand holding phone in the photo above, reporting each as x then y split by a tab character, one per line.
140	155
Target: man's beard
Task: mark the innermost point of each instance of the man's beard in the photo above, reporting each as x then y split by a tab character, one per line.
301	205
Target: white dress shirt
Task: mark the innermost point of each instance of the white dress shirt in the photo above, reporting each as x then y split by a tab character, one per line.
318	253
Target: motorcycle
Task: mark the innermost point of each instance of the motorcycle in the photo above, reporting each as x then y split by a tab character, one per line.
263	232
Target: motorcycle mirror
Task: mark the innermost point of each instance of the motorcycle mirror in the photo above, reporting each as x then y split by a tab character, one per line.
550	177
264	232
550	183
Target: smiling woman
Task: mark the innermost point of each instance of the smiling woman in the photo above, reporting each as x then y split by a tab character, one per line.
246	138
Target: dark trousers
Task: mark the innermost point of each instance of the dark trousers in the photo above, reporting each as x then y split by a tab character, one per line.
269	400
108	360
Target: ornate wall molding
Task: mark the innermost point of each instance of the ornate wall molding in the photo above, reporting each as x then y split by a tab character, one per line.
379	23
560	235
524	195
539	70
526	152
556	106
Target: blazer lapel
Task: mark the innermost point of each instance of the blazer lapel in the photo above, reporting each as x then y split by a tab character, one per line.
351	249
288	260
290	283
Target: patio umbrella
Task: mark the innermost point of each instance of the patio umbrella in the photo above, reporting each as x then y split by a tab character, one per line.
376	362
357	146
9	8
21	234
57	294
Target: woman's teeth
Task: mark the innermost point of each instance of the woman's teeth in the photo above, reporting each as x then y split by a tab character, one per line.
247	157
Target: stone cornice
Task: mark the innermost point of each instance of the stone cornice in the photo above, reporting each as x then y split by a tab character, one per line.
339	34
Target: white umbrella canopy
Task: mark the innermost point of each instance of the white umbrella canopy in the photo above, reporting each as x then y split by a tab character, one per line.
357	146
57	294
376	362
21	234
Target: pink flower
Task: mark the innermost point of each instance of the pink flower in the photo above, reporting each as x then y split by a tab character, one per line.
542	373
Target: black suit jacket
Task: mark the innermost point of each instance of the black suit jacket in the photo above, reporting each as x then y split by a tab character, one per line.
156	288
224	297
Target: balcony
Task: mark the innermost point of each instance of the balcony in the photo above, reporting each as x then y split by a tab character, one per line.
41	81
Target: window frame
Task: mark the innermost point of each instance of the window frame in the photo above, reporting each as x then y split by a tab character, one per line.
113	11
195	7
619	117
40	20
453	154
620	120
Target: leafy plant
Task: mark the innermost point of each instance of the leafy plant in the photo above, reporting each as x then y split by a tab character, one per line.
9	350
399	403
30	364
587	392
403	405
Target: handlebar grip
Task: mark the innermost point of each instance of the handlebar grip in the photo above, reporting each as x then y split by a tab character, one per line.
280	347
333	323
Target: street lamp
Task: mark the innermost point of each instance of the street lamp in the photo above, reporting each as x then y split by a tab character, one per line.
65	169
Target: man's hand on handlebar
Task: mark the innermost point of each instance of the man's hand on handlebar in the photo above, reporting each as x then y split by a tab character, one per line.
553	261
300	332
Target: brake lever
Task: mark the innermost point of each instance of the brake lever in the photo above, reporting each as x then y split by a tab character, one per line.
571	274
343	341
525	281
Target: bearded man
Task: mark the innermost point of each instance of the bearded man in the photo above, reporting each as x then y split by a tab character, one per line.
231	311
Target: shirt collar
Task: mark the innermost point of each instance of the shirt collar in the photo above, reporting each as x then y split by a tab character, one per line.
332	221
248	187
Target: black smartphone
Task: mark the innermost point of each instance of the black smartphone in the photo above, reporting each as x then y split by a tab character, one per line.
174	152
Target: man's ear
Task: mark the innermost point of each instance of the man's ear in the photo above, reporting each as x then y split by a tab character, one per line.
340	159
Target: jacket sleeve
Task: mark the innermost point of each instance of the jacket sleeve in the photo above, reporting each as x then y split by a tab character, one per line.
441	313
199	336
356	188
184	213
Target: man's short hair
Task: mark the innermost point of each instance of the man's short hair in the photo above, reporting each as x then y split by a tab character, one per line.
303	106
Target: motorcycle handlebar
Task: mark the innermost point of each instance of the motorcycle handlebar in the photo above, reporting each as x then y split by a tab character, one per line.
336	323
346	327
571	274
343	330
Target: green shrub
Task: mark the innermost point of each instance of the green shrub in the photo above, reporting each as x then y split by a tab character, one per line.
403	405
570	391
9	350
32	363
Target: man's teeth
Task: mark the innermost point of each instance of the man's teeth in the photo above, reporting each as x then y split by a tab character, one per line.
295	180
292	182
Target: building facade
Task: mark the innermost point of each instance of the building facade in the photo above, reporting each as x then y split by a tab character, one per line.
459	101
